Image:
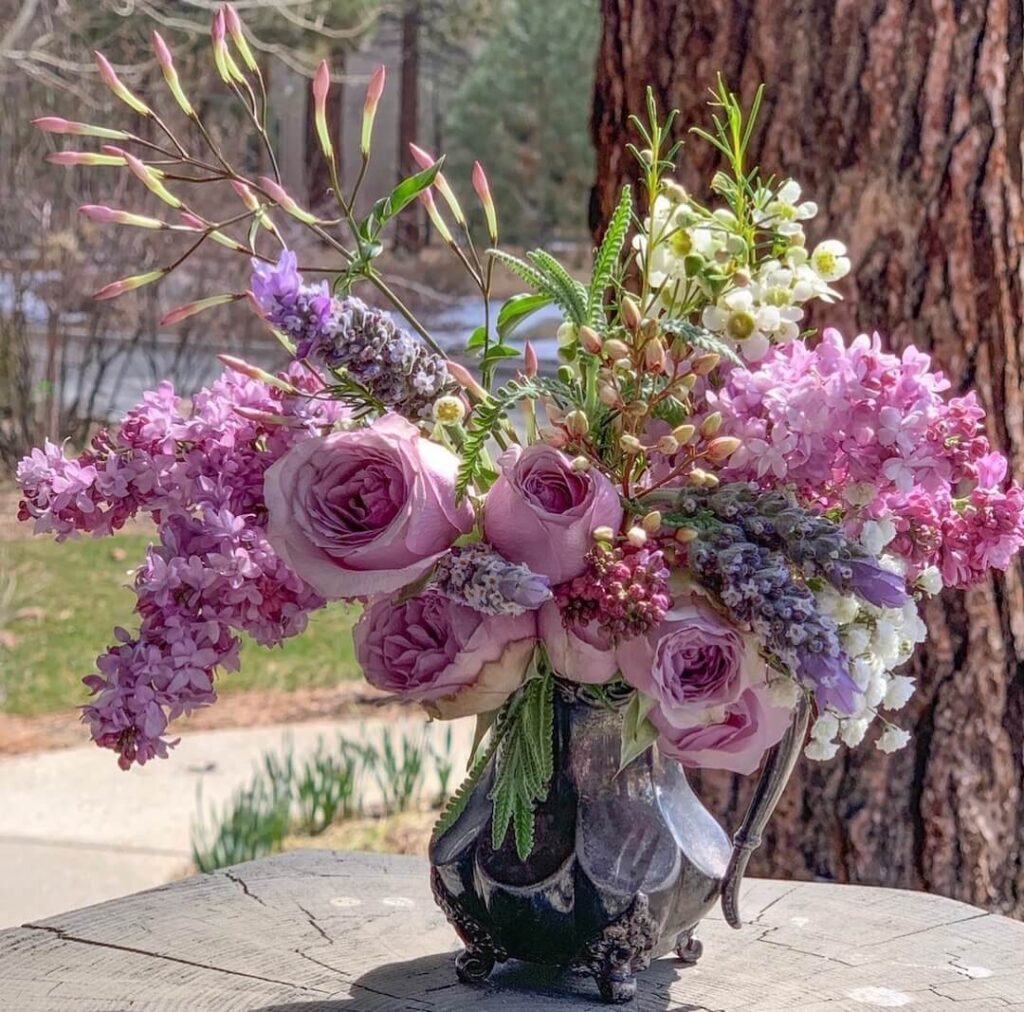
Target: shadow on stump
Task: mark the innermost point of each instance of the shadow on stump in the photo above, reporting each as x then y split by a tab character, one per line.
429	983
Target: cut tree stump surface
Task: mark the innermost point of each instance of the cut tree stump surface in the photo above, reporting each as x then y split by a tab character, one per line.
321	931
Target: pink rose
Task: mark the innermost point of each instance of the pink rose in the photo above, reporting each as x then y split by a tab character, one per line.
691	661
455	660
708	685
734	737
578	653
542	513
366	511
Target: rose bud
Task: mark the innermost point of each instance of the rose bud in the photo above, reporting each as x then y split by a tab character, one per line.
590	341
722	448
703	364
616	350
631	314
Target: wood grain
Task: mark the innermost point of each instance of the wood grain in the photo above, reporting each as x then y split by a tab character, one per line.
321	931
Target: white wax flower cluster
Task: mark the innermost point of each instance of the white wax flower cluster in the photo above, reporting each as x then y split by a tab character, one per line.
761	301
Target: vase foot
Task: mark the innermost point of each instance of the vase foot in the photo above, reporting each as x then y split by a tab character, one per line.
616	988
688	948
474	966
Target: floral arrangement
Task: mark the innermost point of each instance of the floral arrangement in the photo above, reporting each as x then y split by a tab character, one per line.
700	513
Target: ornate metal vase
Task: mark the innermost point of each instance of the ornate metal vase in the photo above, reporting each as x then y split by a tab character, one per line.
624	865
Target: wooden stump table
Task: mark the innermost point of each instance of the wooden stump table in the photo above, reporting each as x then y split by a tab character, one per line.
318	931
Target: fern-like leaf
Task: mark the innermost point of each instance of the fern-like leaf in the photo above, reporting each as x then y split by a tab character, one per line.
457	803
608	256
541	282
574	294
701	338
524	765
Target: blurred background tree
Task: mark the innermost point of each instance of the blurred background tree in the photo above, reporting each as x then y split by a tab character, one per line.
519	111
904	122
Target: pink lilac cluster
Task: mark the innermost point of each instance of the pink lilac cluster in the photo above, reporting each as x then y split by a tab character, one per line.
199	473
623	589
872	434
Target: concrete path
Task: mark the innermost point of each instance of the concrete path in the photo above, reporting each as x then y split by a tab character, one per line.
75	829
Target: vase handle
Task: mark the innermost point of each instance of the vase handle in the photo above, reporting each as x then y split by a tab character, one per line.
772	782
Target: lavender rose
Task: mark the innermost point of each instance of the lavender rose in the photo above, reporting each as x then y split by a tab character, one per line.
454	660
580	653
366	511
542	513
733	737
708	686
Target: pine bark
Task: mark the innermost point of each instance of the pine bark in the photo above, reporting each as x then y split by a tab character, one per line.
903	120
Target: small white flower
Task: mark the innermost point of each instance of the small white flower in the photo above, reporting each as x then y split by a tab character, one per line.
854	730
876	534
825	728
857	640
876	689
783	693
893	740
886	642
786	209
901	688
821	751
930	580
860	493
830	261
861	671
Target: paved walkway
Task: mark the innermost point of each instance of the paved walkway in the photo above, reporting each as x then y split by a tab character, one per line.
76	830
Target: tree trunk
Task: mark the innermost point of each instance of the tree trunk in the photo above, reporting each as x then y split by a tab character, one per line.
318	173
409	227
903	120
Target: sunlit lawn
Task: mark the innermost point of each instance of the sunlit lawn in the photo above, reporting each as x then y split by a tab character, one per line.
68	598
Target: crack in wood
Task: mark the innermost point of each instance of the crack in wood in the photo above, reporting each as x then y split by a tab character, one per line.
240	882
930	927
65	937
314	923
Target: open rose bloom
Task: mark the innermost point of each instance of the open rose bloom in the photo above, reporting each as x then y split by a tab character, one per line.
701	513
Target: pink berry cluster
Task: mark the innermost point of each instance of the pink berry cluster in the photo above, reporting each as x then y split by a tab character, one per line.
198	472
623	589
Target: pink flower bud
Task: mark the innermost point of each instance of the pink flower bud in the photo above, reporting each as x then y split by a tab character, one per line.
321	82
55	125
114	83
192	221
465	379
530	356
427	200
245	194
424	159
239	365
280	196
150	178
111	216
83	158
217	28
191	308
373	93
163	53
233	23
116	288
483	191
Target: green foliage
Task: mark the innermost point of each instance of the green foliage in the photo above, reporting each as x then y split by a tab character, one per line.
522	111
548	278
525	762
607	258
286	796
700	338
457	802
638	733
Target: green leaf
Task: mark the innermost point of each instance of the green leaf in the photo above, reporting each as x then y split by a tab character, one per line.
517	309
607	257
456	804
638	733
402	195
524	763
477	339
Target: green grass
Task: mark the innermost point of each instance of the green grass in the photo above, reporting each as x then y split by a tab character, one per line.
68	598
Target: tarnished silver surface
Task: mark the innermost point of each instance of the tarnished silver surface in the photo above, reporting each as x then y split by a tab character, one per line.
625	863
